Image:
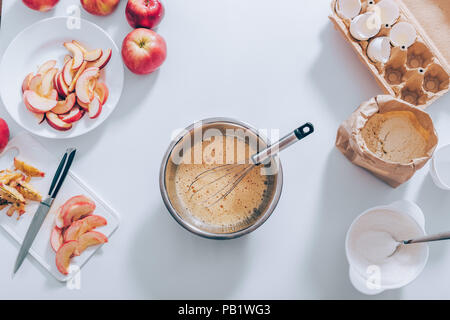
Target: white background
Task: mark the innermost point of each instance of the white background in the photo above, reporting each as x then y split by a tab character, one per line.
274	64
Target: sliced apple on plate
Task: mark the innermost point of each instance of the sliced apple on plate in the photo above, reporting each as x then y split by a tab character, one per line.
66	105
46	66
61	86
68	72
89	239
102	91
59	221
47	82
84	84
76	208
95	107
77	75
35	83
79	45
93	55
36	103
56	238
77	54
82	226
53	95
55	122
102	61
85	106
39	116
26	82
64	255
73	115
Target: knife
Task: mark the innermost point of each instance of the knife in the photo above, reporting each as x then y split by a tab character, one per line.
45	205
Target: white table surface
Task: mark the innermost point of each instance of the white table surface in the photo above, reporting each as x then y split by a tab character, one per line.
274	64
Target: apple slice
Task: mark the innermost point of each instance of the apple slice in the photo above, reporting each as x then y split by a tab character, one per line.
35	83
47	82
67	57
75	200
85	106
77	54
56	238
26	82
61	92
36	103
59	221
65	105
89	239
95	107
82	87
77	75
93	55
79	45
62	87
82	226
64	254
39	116
55	122
53	95
77	211
102	91
76	208
55	82
68	73
73	116
46	67
102	61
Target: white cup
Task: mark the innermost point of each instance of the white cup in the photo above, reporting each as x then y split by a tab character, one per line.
440	167
362	280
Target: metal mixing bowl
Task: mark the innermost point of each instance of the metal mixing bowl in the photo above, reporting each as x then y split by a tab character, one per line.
186	219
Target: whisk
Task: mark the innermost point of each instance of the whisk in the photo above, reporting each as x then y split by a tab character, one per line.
235	173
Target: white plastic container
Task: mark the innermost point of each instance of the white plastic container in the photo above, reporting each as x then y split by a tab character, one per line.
440	167
363	280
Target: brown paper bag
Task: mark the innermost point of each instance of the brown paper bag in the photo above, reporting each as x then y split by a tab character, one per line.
351	143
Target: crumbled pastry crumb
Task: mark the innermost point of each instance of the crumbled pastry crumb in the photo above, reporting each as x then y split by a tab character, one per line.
395	136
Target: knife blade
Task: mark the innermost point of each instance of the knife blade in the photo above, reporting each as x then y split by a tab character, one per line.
44	207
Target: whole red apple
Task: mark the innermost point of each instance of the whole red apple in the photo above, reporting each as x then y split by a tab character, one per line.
143	51
4	134
144	13
40	5
100	7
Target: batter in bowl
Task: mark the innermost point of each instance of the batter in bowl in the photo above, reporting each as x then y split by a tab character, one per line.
243	204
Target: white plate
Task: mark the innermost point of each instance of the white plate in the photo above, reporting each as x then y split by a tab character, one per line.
43	41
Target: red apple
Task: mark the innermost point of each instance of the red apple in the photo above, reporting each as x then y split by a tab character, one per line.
143	51
99	7
4	134
144	13
40	5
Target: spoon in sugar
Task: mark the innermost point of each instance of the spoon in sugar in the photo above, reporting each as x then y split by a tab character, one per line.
428	238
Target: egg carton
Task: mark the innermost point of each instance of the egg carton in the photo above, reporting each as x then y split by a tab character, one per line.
404	60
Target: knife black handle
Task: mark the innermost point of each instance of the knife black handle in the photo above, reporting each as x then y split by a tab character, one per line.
61	172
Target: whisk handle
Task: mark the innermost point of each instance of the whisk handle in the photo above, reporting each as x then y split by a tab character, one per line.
298	134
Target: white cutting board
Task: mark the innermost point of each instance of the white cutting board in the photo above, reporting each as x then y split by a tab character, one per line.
26	148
